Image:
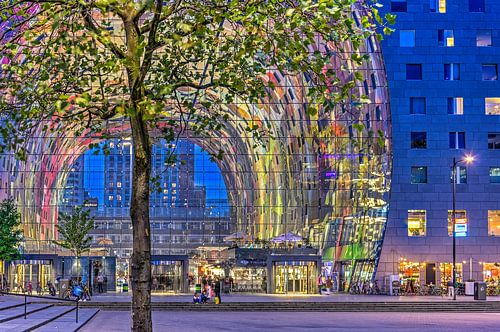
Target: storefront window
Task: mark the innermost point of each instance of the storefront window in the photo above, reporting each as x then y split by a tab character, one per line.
460	223
409	270
249	279
491	272
417	222
446	270
494	222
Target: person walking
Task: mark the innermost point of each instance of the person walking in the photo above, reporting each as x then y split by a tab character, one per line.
451	289
217	291
100	281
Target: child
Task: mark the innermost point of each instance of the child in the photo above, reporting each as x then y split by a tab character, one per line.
196	298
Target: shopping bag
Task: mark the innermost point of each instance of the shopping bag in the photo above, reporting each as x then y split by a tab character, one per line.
217	300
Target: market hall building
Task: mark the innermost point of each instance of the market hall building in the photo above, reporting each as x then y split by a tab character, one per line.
322	185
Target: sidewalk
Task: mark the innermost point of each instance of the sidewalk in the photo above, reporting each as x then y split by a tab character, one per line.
126	297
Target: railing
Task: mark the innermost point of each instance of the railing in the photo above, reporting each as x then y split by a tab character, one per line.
42	297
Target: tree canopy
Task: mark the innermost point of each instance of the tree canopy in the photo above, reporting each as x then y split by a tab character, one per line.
73	231
10	230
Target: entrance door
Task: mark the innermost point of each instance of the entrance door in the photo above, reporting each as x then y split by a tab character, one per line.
294	278
430	273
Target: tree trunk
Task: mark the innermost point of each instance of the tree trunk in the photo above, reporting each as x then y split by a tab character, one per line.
139	213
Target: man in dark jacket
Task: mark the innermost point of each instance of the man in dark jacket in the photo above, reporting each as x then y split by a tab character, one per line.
217	289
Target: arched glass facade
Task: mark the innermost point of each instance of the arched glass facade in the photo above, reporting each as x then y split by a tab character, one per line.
324	178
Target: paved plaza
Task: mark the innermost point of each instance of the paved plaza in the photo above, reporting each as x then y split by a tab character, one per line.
338	297
300	321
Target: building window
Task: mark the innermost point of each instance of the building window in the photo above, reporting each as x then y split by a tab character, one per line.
417	105
451	71
398	5
490	72
418	174
476	6
417	222
455	105
494	222
483	38
492	106
461	175
407	38
457	140
418	140
438	6
494	141
460	223
494	174
414	71
445	38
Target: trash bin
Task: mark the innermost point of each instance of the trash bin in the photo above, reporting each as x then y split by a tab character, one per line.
64	284
125	287
479	291
469	288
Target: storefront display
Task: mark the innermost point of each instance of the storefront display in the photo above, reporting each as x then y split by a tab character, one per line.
248	279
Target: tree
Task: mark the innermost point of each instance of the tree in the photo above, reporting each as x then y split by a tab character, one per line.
73	231
167	68
10	230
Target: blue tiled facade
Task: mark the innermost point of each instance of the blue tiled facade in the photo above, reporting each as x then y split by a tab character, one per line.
478	195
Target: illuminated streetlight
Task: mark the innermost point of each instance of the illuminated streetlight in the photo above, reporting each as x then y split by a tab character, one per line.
468	159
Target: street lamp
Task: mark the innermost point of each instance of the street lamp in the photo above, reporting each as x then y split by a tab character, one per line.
468	159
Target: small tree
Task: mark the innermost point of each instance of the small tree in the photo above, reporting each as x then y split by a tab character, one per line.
10	231
73	231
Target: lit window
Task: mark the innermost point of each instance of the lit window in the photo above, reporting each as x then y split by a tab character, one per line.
451	71
494	174
483	38
413	71
118	184
110	197
174	184
417	222
457	140
492	106
417	105
461	174
407	38
418	140
438	6
455	105
494	222
476	6
398	5
460	223
418	174
165	191
490	72
118	197
445	38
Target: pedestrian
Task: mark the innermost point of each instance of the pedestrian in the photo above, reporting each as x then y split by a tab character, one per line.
39	289
217	291
451	289
100	281
30	288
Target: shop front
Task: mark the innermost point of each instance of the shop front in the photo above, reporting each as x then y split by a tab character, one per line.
491	275
36	271
169	273
293	274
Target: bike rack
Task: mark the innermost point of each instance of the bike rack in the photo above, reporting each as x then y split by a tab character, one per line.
41	297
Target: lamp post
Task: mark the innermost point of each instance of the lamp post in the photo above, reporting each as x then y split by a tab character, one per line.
468	159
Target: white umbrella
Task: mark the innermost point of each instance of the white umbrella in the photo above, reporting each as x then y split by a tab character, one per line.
288	237
236	236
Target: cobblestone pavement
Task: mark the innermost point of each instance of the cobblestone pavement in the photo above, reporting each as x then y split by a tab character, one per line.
301	321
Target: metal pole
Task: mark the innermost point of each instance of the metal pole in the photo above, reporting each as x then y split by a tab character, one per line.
25	303
470	268
454	172
77	306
